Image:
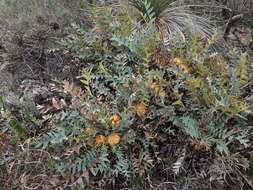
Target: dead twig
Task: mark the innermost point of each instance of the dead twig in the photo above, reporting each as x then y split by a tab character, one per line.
231	22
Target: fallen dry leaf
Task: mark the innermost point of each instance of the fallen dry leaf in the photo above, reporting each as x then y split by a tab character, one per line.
141	109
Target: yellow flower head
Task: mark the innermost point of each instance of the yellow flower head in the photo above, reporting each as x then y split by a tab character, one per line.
113	139
176	60
100	139
185	68
153	86
89	130
115	119
29	141
179	62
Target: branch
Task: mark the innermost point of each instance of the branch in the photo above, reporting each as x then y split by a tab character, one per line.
231	22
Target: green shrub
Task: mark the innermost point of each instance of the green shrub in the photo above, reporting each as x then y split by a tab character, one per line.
135	91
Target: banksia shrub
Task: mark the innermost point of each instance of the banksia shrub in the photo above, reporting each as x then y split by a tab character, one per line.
135	92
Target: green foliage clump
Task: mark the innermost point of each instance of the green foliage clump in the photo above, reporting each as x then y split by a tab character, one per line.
135	90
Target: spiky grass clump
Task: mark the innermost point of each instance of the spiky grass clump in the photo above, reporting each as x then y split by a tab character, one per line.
172	20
